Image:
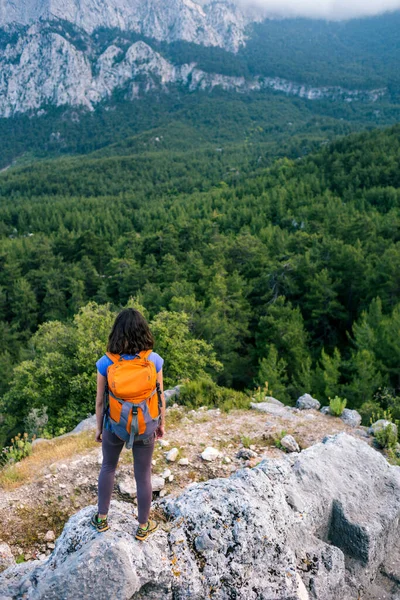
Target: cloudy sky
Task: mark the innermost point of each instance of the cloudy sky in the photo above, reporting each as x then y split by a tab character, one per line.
326	9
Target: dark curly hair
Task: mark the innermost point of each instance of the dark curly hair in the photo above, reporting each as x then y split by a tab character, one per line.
130	333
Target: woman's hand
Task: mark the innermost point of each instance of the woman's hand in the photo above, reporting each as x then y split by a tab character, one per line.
98	435
160	431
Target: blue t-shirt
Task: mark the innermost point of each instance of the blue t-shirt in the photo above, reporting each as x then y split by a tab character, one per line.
104	362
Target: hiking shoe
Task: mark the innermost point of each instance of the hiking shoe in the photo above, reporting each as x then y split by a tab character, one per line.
100	525
143	533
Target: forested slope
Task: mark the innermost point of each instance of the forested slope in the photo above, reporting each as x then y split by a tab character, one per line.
289	273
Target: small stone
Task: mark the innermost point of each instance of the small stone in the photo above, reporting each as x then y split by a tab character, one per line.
226	460
252	447
163	492
307	402
289	443
62	486
171	478
166	473
163	443
50	536
172	455
246	453
42	556
325	410
51	545
48	476
28	556
210	453
351	417
183	462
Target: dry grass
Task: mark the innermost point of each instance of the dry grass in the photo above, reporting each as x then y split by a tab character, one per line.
31	523
43	455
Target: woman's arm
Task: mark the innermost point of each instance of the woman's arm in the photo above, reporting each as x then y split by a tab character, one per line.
160	381
101	385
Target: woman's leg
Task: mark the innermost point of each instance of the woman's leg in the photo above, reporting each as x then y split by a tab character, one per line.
142	455
112	446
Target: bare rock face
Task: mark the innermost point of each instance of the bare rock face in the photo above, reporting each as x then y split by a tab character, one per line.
211	24
320	525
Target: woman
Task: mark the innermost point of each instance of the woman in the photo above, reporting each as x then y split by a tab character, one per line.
130	335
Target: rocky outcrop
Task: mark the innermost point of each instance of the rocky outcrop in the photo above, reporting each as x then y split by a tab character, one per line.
323	524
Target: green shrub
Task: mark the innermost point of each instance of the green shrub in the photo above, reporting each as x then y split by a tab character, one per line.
387	437
337	405
205	392
367	410
19	449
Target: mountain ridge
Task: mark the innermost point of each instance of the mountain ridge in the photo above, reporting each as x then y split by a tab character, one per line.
44	66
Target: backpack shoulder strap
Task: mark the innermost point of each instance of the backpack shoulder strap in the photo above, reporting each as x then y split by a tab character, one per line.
113	357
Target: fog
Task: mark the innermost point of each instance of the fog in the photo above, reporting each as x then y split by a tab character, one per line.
322	9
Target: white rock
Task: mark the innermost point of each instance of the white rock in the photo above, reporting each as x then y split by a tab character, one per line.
290	444
6	557
226	460
210	453
163	443
172	455
171	478
166	473
307	402
50	536
183	461
157	483
351	417
127	486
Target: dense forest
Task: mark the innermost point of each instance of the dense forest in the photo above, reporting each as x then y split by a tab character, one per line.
262	122
248	272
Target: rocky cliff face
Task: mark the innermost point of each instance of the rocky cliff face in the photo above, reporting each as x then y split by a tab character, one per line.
46	65
218	23
322	524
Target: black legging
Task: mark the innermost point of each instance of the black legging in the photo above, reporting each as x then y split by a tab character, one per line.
142	454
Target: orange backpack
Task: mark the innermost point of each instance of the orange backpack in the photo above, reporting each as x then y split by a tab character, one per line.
133	401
